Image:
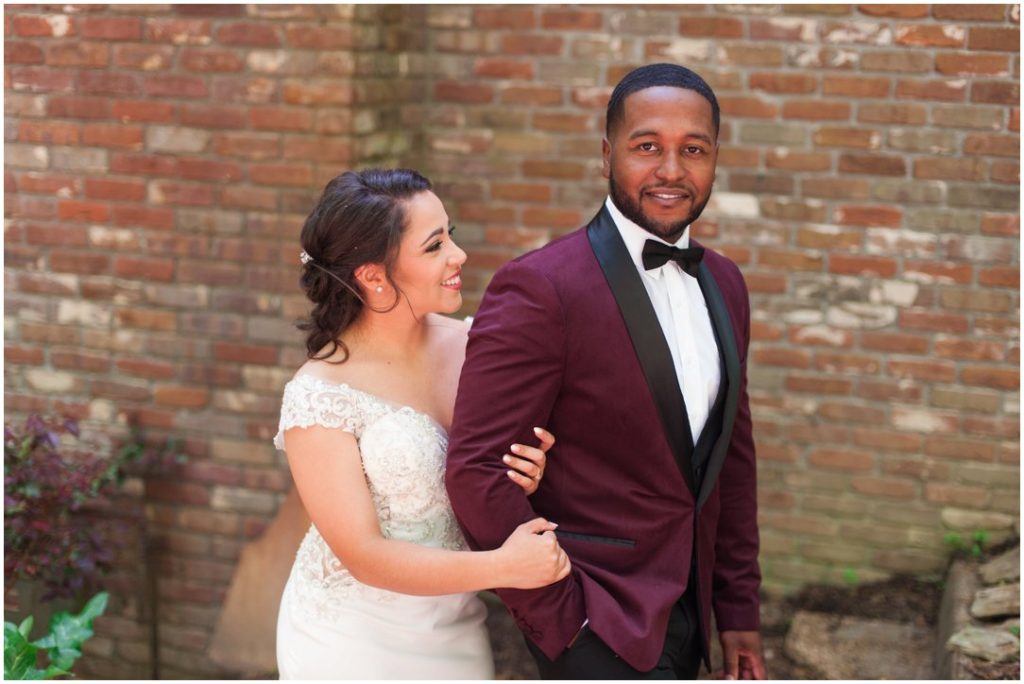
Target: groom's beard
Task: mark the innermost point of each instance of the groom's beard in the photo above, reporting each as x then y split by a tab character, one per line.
669	232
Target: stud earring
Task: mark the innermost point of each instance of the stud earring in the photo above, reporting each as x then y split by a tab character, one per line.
380	288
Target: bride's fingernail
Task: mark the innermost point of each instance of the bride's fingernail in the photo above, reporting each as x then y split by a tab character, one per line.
506	458
516	448
537	431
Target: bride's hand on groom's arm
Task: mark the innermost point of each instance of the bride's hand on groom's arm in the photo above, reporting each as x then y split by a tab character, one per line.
527	463
531	557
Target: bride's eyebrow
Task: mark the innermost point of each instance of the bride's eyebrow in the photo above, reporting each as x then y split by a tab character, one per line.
437	231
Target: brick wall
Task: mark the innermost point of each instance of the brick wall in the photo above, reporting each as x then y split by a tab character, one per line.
160	160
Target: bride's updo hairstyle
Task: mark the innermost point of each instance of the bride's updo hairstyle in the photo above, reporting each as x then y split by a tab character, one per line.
358	220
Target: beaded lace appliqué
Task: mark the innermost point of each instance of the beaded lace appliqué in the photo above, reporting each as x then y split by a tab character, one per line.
403	455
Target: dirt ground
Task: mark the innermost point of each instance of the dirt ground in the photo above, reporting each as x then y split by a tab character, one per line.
901	598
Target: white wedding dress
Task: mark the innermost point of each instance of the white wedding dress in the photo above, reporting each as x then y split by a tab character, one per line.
330	626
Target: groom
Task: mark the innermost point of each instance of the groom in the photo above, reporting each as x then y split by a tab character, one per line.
629	342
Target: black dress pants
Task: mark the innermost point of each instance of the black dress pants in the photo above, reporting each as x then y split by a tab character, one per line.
590	658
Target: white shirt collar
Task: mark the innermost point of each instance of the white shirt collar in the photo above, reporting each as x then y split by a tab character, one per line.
634	236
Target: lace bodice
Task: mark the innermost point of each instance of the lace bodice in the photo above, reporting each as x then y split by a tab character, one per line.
403	457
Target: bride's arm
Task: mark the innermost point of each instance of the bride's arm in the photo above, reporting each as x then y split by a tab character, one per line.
328	474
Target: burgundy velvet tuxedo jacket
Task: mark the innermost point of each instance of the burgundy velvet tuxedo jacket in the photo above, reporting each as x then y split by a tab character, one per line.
566	338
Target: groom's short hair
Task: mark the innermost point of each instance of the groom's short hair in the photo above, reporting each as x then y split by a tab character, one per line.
653	75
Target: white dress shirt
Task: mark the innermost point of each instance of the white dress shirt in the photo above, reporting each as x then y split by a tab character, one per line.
683	314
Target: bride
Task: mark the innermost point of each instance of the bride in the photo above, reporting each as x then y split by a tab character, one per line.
382	585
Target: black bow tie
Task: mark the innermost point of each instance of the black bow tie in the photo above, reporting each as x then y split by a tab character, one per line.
656	254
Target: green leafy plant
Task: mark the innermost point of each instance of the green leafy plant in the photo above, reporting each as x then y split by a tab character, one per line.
974	547
1015	630
62	645
850	576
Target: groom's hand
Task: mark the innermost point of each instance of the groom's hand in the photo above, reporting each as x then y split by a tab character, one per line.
742	655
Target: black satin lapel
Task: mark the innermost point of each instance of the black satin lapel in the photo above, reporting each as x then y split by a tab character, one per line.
727	343
648	340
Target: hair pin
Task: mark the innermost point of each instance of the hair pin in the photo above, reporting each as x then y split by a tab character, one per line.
304	257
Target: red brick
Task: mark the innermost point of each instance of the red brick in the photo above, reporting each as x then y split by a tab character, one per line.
176	85
143	216
113	135
521	192
111	28
995	92
109	83
876	486
248	145
41	26
817	384
316	148
531	44
143	164
146	319
26	356
204	169
80	361
307	37
181	396
815	109
179	31
281	174
994	145
75	107
18	206
786	358
570	20
49	132
143	110
551	217
716	27
74	210
969	349
895	11
206	60
503	68
950	169
947	91
926	371
79	262
969	12
499	17
984	376
250	197
855	86
786	259
902	391
214	116
962	495
899	113
745	106
539	96
144	57
874	164
452	91
553	169
934	321
245	353
42	80
1005	172
941	271
971	64
187	194
304	92
280	119
149	269
22	53
842	459
994	38
925	35
887	440
850	264
118	190
837	362
74	54
45	183
847	137
1000	224
249	33
146	368
999	276
860	215
785	83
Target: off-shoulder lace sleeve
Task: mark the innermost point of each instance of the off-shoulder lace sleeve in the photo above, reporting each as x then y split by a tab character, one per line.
310	401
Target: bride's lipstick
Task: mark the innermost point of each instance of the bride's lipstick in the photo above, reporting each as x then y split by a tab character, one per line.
454	282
